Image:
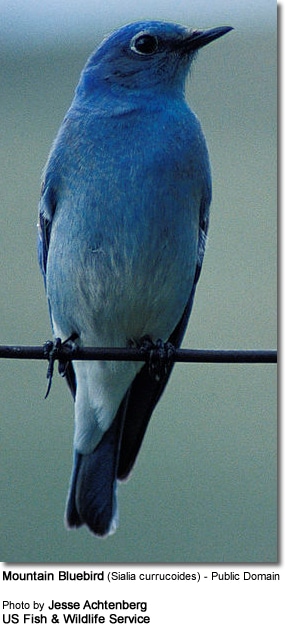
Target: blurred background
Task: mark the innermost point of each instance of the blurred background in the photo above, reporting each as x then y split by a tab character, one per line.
204	487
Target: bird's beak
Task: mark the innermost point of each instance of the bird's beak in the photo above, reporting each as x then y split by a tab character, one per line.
198	38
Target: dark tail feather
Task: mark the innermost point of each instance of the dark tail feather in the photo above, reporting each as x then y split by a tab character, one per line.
92	494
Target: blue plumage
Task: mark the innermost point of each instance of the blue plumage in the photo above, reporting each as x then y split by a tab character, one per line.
123	220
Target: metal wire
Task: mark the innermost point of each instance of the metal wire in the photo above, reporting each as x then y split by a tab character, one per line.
132	354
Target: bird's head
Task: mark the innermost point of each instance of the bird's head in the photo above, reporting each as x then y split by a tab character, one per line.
151	55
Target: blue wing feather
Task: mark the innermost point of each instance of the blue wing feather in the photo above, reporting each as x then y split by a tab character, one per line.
46	211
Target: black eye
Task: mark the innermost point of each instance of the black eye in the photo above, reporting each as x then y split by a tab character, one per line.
144	44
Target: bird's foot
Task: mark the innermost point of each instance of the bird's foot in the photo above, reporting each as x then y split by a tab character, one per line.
160	356
52	351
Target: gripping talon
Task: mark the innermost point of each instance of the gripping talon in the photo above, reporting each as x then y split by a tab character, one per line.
72	347
52	352
161	356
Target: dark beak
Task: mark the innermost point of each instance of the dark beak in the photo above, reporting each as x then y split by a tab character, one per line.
199	38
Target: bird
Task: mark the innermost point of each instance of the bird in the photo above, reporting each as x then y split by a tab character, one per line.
123	221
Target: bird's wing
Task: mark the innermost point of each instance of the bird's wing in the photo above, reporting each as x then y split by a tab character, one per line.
47	209
144	393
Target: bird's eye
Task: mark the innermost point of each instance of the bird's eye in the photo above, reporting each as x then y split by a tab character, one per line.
144	44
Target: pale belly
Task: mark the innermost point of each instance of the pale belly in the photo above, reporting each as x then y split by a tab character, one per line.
110	297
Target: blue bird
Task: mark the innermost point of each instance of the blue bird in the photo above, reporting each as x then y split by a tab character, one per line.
123	221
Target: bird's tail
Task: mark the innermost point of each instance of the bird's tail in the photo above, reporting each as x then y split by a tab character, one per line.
92	494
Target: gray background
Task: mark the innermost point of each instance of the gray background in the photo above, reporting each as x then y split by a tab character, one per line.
204	486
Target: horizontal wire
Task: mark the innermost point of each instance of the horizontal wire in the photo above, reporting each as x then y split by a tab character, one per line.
132	354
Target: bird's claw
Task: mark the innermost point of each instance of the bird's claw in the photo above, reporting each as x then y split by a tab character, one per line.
52	351
160	356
